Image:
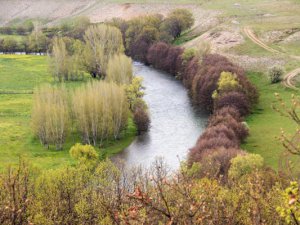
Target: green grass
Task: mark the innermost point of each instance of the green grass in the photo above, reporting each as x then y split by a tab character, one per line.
18	77
265	124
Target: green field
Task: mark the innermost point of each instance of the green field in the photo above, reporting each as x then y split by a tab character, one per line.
265	124
18	77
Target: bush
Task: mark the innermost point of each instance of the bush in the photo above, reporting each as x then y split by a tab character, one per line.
84	153
215	137
245	164
178	21
165	57
240	130
275	73
228	111
141	119
215	163
206	81
234	99
191	68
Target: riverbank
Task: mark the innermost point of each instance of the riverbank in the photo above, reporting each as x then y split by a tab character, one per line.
19	74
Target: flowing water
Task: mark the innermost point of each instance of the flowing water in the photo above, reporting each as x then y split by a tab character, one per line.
175	125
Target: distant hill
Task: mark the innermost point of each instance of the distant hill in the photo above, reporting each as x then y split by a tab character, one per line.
51	11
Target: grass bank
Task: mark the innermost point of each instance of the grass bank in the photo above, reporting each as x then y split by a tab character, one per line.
265	124
18	77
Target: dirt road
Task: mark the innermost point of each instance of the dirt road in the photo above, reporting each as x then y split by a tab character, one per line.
287	79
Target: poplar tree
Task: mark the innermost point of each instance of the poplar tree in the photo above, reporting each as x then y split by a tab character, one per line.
101	43
50	115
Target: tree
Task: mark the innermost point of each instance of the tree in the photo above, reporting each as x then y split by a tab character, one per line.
9	44
178	21
134	91
59	60
37	40
101	111
50	115
101	43
119	70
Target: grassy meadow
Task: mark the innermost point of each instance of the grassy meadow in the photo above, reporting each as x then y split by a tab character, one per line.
265	124
18	77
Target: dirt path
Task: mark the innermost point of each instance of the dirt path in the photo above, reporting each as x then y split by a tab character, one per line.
253	38
287	79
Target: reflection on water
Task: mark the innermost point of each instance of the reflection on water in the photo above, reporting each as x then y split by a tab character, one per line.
175	125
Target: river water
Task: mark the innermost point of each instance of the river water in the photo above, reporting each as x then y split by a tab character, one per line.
175	125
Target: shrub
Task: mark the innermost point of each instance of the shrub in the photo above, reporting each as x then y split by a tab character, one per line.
245	164
165	57
177	21
84	153
275	73
141	119
191	68
240	130
226	83
234	99
157	54
215	163
215	137
228	111
206	81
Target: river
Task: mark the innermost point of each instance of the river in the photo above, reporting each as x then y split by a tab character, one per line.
175	125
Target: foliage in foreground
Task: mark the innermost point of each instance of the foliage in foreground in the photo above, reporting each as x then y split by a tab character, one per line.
101	193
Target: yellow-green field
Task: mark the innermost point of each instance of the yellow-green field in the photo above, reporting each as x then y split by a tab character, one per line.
18	77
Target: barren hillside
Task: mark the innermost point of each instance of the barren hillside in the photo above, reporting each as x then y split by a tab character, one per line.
97	11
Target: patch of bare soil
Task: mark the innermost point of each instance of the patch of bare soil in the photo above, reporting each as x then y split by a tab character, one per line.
285	36
219	40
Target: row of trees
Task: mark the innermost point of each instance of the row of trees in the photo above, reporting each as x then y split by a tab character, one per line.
140	33
36	42
99	111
